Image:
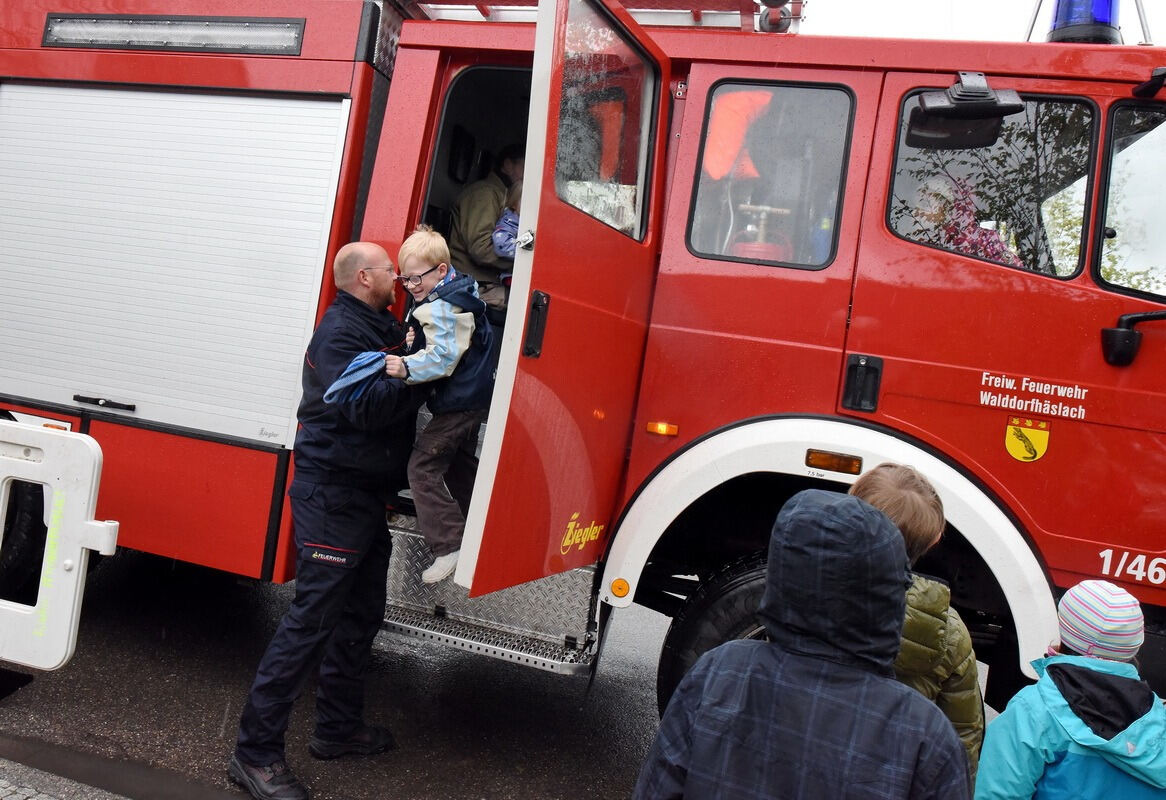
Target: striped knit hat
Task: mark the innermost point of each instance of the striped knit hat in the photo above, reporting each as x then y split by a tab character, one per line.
1101	620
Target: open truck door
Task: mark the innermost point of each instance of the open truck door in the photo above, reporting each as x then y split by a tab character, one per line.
68	466
573	343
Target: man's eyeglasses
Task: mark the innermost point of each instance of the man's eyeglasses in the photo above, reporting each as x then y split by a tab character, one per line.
370	269
415	280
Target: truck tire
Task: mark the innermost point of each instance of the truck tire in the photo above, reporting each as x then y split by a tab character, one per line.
1004	676
722	609
22	548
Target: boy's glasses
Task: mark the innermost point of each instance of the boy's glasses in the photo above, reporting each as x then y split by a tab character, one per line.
415	280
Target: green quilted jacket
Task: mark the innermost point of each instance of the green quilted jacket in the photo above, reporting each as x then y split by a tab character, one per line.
936	658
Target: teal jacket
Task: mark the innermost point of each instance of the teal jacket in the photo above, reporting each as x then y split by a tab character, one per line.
1089	728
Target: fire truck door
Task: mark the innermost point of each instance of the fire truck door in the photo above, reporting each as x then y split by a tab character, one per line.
69	466
985	289
557	437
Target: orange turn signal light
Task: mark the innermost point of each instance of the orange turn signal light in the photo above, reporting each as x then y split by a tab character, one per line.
663	428
620	587
834	462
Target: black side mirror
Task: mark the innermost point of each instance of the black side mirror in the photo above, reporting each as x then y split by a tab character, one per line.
1120	345
966	115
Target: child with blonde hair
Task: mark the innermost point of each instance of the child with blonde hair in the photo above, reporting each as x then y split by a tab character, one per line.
936	655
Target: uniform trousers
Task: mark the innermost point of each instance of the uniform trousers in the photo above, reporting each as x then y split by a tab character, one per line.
343	552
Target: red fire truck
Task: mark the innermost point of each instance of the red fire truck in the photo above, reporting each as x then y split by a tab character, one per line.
758	261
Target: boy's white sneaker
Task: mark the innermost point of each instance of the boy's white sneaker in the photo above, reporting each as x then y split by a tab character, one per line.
441	568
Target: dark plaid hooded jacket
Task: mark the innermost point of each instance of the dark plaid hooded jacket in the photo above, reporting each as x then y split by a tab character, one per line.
816	711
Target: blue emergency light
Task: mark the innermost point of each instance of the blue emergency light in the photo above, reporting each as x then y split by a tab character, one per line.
1085	21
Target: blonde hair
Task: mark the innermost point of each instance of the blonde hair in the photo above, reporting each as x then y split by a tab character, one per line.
909	500
427	245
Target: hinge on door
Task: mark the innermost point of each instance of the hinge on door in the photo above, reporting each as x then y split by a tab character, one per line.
860	392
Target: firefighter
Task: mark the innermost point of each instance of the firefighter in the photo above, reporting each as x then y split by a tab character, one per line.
349	459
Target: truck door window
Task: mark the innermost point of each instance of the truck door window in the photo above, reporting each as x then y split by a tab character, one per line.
1133	250
1019	201
771	166
605	122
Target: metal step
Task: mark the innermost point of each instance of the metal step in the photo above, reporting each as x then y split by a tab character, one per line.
544	624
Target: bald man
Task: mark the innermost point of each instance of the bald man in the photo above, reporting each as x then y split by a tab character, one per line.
349	460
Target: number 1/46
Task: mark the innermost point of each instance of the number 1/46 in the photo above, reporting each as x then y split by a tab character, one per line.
1133	565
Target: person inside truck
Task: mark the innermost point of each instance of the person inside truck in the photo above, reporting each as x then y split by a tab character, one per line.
472	220
812	710
945	211
344	453
936	657
1090	728
456	361
506	228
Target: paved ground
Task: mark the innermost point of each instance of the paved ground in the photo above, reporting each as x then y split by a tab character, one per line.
18	782
167	652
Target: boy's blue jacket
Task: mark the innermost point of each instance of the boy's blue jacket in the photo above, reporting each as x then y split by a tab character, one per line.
456	356
1089	728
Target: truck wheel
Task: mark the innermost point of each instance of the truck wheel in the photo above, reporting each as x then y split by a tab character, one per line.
1004	676
722	609
22	548
23	543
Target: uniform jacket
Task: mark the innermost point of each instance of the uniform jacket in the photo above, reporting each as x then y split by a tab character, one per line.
363	441
1089	729
471	243
456	356
936	659
816	711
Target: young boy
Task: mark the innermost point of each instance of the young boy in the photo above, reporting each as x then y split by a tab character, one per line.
456	359
1090	728
936	655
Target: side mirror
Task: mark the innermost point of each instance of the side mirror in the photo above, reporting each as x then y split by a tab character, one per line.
1120	345
929	132
966	115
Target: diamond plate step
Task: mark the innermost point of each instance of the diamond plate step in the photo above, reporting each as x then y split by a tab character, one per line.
544	624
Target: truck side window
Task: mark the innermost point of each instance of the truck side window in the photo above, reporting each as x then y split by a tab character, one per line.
606	117
1019	201
1133	251
771	169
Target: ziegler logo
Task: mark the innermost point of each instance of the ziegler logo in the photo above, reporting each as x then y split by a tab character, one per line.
579	535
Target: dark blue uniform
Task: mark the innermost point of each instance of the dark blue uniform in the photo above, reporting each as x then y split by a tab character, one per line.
349	459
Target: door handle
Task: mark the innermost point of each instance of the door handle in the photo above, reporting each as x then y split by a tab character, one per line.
860	392
536	324
104	402
1120	345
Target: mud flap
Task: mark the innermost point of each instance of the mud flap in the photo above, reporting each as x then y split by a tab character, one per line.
68	465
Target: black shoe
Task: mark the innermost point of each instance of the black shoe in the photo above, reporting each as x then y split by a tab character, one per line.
272	782
368	740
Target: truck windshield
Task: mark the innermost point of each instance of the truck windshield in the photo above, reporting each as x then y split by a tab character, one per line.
1133	254
1019	202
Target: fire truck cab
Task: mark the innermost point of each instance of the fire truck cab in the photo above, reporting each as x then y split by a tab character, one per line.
756	261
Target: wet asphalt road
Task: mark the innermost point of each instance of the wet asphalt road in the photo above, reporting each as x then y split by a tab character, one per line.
167	653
